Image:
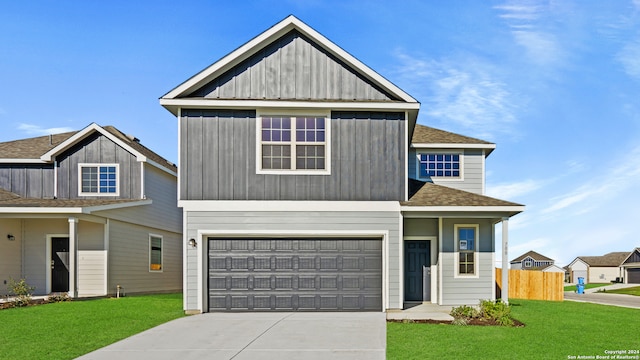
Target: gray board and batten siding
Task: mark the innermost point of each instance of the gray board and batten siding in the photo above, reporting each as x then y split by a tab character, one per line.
218	159
292	67
97	148
28	180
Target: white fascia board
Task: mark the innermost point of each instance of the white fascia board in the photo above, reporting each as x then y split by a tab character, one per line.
174	104
84	133
258	205
268	36
576	260
161	167
41	210
91	209
453	146
461	211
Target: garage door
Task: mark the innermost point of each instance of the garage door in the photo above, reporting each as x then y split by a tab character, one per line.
579	273
295	274
633	276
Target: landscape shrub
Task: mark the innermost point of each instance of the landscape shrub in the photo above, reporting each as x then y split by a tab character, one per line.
21	292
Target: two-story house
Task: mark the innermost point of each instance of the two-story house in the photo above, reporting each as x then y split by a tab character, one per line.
306	184
89	212
532	260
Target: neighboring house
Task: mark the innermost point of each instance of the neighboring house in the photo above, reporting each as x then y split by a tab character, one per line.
532	261
306	184
598	269
83	212
631	267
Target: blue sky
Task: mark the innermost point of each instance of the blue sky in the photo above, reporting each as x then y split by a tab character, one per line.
555	84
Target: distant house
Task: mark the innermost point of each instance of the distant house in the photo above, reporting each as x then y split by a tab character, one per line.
532	261
598	269
631	267
85	211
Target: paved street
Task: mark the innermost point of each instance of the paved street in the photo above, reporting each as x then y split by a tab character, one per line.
593	296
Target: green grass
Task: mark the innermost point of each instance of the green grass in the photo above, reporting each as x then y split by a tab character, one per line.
628	291
586	286
70	329
554	330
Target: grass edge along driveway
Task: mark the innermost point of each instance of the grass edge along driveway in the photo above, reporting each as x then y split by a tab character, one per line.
554	330
71	329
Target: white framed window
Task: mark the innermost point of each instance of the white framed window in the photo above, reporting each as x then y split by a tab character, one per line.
466	237
98	179
440	165
295	143
528	263
155	253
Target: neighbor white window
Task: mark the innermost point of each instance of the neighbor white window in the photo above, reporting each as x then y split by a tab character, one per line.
98	179
528	263
466	238
293	144
155	253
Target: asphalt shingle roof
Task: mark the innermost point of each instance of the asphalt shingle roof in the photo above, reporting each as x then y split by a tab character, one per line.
607	260
532	254
428	135
429	194
9	199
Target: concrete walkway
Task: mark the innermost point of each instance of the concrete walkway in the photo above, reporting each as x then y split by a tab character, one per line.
424	311
272	335
597	296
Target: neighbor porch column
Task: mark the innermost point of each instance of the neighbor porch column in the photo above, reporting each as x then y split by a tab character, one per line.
505	260
73	257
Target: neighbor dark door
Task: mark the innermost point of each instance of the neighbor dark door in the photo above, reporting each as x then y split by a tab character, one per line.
59	264
416	257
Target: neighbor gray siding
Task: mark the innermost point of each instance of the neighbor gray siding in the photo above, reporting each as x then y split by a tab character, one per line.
218	159
97	148
26	180
289	223
129	259
472	169
292	67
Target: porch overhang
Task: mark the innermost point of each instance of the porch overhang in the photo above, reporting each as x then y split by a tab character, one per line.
59	207
490	212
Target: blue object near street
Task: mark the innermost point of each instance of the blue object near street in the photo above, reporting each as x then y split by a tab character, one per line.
580	286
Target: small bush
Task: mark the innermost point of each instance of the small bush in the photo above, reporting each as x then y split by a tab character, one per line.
21	291
56	298
497	311
464	312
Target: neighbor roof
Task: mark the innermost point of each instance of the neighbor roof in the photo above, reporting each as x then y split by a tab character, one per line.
607	260
532	254
35	149
430	194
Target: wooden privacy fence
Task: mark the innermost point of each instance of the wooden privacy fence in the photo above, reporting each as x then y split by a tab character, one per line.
532	285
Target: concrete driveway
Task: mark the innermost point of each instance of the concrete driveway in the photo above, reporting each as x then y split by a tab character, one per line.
594	295
241	336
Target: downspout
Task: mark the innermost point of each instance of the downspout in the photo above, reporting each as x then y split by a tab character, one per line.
142	190
55	178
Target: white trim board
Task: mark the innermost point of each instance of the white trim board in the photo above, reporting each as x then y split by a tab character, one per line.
260	205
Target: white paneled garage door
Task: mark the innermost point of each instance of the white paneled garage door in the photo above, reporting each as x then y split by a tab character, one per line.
284	274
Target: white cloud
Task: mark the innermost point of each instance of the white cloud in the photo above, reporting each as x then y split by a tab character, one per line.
37	130
513	190
629	57
465	94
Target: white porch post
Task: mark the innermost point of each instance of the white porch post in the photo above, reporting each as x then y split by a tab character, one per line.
73	257
505	260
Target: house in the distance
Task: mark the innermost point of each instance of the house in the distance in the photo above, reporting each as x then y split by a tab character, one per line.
631	267
598	269
532	260
87	211
306	184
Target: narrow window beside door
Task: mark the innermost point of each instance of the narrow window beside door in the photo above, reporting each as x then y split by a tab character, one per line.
155	253
467	242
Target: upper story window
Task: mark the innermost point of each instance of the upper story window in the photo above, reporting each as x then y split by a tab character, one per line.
439	165
98	179
293	143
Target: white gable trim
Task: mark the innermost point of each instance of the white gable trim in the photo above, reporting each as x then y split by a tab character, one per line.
267	37
48	156
452	146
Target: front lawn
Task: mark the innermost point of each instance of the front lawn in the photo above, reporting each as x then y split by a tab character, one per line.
69	329
628	291
554	330
586	286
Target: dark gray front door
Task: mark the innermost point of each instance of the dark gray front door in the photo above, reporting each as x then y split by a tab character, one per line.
295	274
59	264
417	255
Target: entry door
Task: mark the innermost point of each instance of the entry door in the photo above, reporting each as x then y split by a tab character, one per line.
59	264
417	257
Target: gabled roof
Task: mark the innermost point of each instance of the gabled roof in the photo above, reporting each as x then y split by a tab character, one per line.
430	195
612	259
172	100
43	149
635	251
533	255
428	137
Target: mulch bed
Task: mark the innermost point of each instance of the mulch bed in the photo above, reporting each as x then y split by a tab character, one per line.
9	304
472	322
